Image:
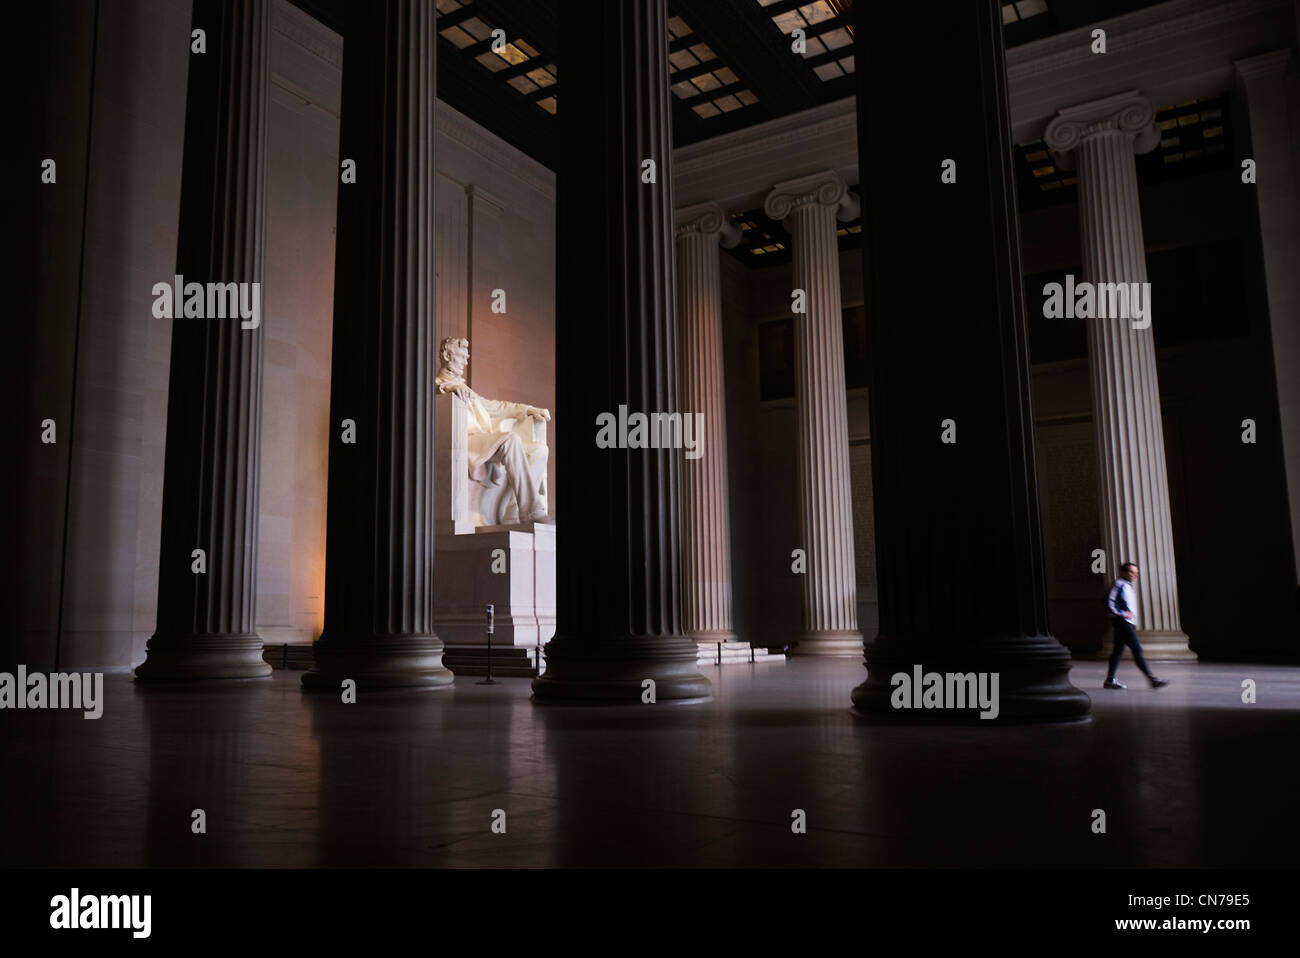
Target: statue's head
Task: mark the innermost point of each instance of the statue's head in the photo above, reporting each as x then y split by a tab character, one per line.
455	355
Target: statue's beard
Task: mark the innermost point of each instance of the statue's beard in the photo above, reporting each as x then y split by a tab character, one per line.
456	370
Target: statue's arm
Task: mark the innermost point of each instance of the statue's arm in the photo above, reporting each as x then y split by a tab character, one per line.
456	387
502	409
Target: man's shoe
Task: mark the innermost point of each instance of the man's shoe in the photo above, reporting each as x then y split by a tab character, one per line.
1112	684
1157	683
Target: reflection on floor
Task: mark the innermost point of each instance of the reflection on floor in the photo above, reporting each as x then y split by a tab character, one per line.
1187	776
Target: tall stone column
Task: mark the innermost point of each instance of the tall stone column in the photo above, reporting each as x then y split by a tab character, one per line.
619	541
958	538
706	520
206	618
1101	139
380	517
1263	78
810	206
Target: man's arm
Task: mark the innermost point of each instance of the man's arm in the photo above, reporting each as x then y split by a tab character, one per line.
1111	601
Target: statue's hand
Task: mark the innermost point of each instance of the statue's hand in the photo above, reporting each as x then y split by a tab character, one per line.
537	412
464	393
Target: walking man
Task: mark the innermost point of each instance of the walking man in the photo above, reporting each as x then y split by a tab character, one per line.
1121	602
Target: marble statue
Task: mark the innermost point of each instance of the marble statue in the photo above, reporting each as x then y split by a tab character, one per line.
495	441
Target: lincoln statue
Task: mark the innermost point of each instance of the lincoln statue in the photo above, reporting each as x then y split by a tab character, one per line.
493	437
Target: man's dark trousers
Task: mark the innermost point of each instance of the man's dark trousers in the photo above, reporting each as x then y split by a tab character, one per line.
1124	635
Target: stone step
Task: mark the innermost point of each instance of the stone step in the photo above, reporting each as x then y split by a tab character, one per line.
509	661
288	655
516	660
727	653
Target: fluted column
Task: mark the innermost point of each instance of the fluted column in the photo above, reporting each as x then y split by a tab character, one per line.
1277	192
206	618
958	538
619	600
1101	138
380	519
810	206
706	519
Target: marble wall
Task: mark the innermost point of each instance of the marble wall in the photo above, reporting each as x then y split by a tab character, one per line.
495	230
766	592
133	193
302	195
39	380
1208	384
495	226
744	468
1214	370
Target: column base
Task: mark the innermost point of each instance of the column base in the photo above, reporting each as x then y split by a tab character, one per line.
1162	647
611	671
1156	647
846	643
194	658
1033	680
384	662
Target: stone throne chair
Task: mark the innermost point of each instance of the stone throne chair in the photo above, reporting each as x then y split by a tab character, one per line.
476	503
485	554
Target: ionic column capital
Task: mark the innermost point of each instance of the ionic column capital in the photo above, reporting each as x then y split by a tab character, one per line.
708	220
818	189
1129	113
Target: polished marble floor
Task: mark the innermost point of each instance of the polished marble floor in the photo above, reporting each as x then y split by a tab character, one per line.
1187	776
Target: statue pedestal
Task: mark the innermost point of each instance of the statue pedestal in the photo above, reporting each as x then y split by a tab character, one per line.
511	567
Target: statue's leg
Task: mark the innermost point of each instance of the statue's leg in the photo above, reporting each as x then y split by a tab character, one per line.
538	453
515	459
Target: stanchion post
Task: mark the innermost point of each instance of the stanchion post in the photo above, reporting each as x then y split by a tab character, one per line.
490	630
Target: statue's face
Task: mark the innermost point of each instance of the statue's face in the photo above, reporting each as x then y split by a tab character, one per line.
457	357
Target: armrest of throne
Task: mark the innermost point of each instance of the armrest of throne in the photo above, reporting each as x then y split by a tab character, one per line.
531	430
451	483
